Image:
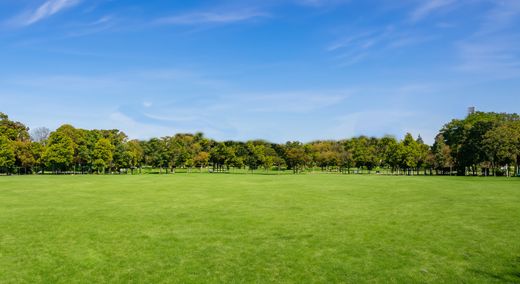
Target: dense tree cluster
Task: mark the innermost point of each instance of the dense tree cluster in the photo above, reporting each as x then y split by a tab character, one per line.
480	144
485	142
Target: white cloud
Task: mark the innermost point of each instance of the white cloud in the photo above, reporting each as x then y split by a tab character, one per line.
47	9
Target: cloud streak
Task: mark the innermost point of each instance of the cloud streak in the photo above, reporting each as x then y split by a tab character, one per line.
493	49
363	45
46	10
320	3
429	7
201	18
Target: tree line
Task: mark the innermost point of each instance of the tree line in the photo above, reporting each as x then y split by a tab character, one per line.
483	143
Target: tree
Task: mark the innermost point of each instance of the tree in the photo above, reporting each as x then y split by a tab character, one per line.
502	147
295	156
345	157
117	139
364	152
269	158
59	153
178	150
411	154
201	160
12	130
221	156
423	155
80	144
465	138
24	155
326	154
134	154
386	149
7	155
38	151
442	156
103	154
255	155
156	154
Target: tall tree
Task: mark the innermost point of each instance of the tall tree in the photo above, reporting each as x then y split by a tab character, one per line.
59	154
201	160
156	154
411	153
134	154
443	159
7	155
24	154
295	156
386	148
502	147
103	154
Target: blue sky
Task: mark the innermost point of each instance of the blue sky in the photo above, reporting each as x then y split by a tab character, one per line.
278	70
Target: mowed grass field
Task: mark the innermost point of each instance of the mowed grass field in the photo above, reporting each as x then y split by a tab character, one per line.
219	228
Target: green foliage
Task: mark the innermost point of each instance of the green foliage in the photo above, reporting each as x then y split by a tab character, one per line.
59	154
475	140
25	155
295	156
155	153
442	154
103	154
133	154
481	142
201	159
7	154
12	130
502	144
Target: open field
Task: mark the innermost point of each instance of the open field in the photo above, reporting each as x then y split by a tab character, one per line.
258	228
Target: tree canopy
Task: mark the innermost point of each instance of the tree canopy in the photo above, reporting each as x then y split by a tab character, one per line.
480	144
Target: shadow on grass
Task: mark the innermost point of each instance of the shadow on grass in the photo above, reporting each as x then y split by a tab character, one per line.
511	275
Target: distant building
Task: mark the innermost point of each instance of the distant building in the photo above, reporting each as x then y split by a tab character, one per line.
471	110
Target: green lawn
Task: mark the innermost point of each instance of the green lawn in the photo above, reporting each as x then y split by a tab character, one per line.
258	228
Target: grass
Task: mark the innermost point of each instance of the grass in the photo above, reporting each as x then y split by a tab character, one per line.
193	228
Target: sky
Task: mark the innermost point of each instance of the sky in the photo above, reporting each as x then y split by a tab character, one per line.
249	69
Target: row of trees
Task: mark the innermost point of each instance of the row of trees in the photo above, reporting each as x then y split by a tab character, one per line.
482	143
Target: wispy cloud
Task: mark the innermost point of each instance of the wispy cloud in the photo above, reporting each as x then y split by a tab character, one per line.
496	58
101	24
428	7
362	45
363	123
45	10
493	50
320	3
502	16
211	17
291	102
